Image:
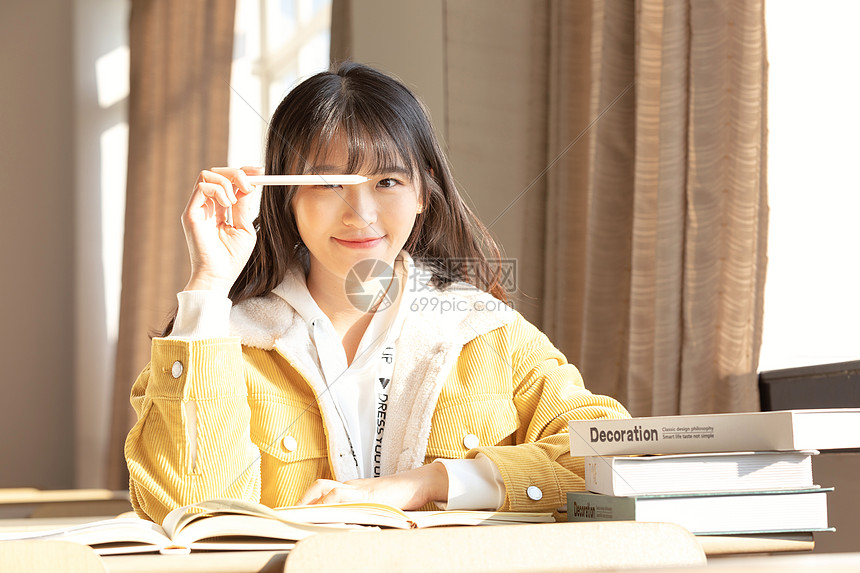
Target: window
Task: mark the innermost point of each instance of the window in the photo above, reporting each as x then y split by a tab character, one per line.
277	43
812	295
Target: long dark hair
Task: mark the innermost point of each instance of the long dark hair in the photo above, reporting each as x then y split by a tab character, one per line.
383	125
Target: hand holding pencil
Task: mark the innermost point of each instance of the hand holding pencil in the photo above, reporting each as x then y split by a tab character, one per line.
218	220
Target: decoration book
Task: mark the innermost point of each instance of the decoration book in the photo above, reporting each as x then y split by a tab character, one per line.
784	430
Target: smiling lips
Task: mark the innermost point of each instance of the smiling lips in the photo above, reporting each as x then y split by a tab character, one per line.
360	243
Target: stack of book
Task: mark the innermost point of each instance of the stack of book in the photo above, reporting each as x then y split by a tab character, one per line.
714	474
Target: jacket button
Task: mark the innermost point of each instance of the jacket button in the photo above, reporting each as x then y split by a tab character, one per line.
534	493
471	441
176	369
290	444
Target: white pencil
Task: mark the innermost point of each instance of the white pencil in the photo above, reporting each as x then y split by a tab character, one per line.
306	179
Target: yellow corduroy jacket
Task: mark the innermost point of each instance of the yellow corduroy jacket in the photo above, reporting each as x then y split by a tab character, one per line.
248	416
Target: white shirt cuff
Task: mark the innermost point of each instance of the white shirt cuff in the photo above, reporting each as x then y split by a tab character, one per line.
474	484
202	314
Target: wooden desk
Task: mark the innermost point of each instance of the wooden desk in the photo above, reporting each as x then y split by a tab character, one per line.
792	563
473	549
273	562
510	548
211	562
32	502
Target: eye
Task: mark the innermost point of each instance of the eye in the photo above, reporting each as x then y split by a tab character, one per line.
388	182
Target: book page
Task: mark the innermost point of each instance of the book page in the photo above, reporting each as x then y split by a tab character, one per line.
180	517
122	535
240	531
375	514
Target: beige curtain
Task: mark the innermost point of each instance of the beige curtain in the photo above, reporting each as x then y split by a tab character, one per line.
676	241
178	118
617	152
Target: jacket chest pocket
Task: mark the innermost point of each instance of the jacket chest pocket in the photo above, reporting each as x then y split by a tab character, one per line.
288	432
461	425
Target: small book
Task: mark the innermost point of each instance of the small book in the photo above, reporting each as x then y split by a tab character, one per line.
785	430
711	513
225	524
721	471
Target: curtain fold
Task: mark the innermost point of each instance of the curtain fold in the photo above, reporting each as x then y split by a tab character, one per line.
617	152
181	53
726	205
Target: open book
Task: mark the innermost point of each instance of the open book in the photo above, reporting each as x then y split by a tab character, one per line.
226	524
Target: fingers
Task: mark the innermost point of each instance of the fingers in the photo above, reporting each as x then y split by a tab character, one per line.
222	185
247	203
252	170
248	206
205	192
221	190
245	210
410	489
329	491
212	195
318	489
238	178
344	493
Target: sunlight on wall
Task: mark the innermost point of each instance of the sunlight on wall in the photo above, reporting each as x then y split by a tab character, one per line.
812	295
113	145
112	76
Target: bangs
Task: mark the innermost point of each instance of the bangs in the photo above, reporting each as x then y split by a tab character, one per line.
373	147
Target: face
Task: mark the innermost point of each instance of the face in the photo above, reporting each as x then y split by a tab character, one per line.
344	224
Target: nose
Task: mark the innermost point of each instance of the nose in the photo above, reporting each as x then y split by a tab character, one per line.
359	206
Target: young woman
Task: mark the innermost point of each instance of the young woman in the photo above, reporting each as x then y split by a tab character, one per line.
332	349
